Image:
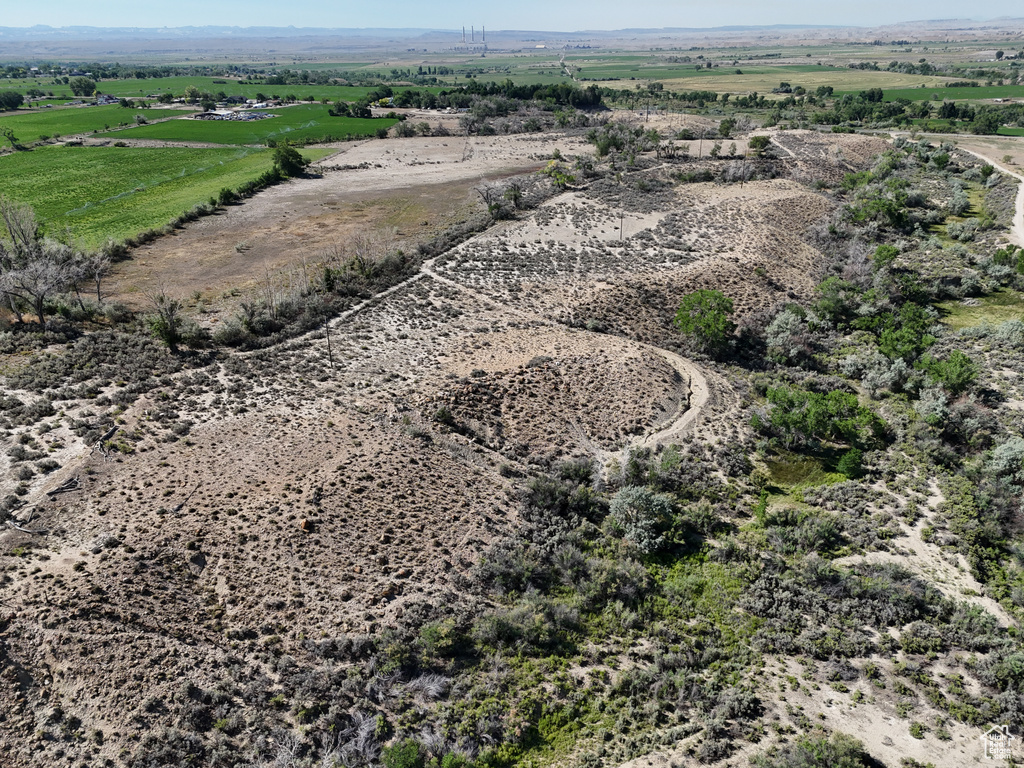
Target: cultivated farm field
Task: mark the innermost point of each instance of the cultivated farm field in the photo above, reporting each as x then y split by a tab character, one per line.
117	192
727	81
304	122
146	89
30	126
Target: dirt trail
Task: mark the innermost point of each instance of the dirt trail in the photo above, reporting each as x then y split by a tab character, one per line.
690	407
684	417
1017	228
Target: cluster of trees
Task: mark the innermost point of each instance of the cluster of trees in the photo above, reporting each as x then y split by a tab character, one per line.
486	100
115	71
10	100
34	268
82	86
560	94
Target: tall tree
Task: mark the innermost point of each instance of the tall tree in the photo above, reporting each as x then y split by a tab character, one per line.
32	268
82	86
704	315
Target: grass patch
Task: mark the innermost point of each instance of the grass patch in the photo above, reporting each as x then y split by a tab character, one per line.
1004	131
997	307
101	192
790	471
152	87
941	94
307	122
840	79
695	589
29	126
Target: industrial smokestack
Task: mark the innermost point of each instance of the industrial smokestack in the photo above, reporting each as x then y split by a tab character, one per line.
483	34
472	33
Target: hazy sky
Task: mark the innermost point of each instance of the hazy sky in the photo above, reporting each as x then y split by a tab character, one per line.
515	14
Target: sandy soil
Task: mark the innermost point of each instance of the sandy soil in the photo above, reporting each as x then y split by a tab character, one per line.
405	190
290	497
1014	149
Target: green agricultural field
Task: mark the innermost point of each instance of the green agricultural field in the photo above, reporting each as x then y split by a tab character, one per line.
1004	131
305	122
958	94
143	89
655	69
840	79
29	126
101	192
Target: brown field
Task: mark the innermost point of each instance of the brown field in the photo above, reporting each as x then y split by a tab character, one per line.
307	500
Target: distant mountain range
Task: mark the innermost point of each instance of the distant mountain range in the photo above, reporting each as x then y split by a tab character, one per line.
45	32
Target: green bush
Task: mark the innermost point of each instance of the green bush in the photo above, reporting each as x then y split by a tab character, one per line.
642	516
800	416
404	754
704	315
835	751
955	374
851	463
288	161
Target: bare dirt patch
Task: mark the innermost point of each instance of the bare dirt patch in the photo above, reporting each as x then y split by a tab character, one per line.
300	497
405	189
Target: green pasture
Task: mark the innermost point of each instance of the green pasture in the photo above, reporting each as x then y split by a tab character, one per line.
101	192
304	122
152	87
995	308
1004	131
655	69
67	121
840	79
958	94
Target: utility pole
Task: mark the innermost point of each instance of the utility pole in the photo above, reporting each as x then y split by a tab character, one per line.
620	227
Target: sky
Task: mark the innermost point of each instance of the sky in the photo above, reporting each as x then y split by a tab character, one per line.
565	15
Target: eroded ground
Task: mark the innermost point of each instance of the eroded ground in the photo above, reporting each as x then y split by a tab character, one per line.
274	501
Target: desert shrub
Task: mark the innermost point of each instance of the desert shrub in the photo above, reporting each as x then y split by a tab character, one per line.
133	358
168	746
701	516
704	315
790	531
921	637
851	463
837	300
798	416
1003	669
787	336
536	625
642	517
404	754
816	751
512	565
970	627
568	498
1007	460
964	231
932	405
623	580
959	203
